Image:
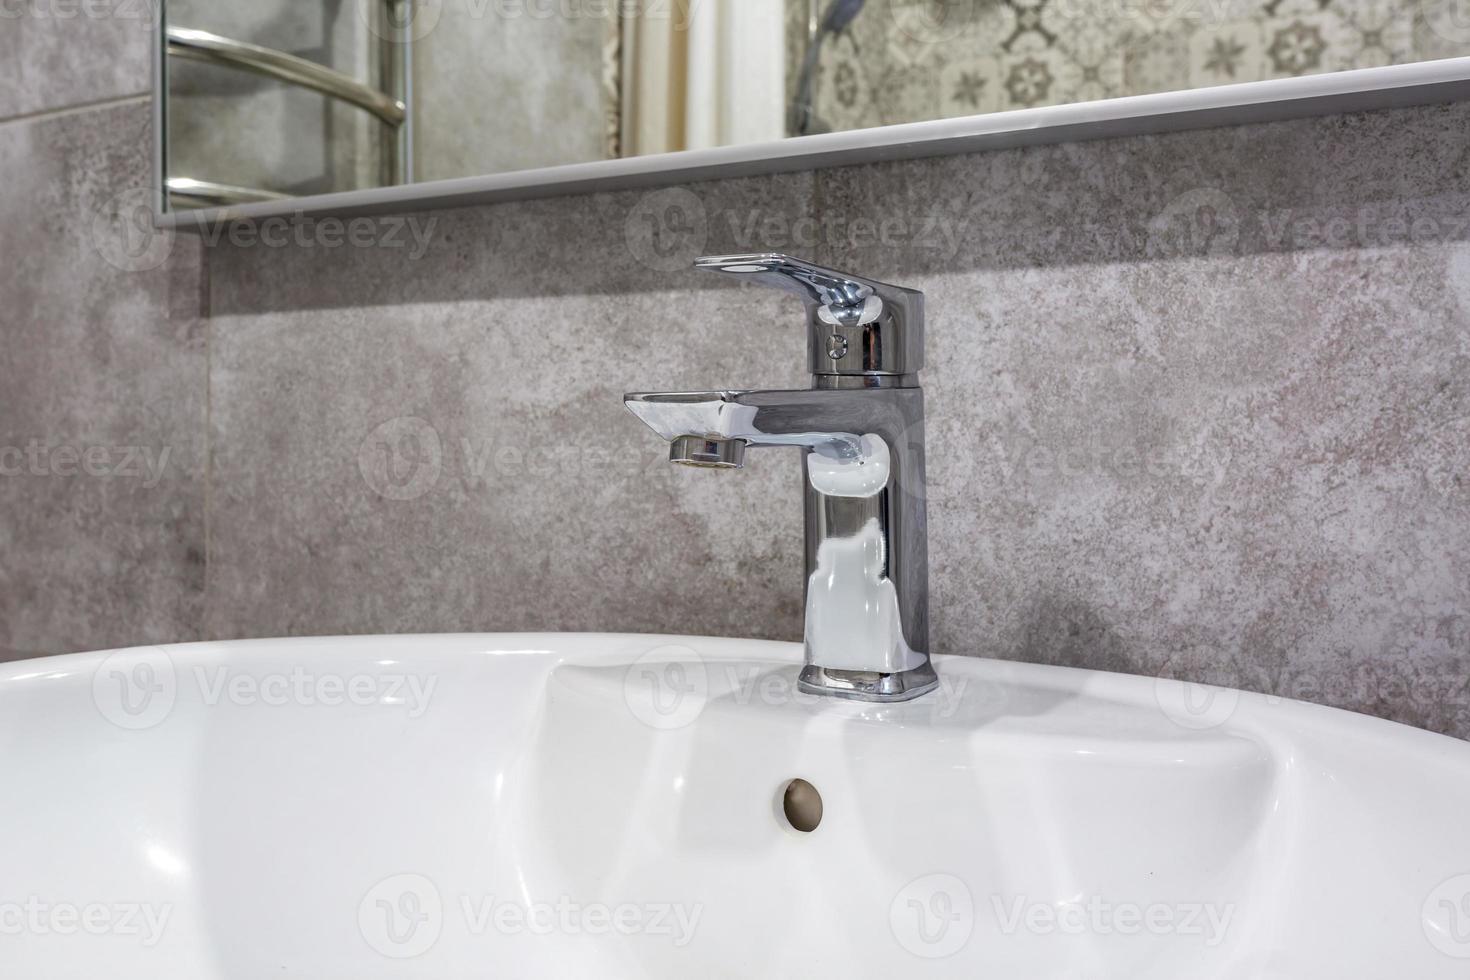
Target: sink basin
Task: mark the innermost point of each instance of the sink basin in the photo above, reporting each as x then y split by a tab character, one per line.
616	806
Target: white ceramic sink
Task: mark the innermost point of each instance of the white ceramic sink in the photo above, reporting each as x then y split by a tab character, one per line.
611	806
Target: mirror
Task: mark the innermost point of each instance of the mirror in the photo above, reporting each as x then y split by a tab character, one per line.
280	99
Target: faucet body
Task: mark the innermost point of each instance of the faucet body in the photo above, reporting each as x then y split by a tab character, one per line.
861	439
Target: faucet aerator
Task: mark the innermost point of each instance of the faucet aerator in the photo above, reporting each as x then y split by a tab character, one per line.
723	454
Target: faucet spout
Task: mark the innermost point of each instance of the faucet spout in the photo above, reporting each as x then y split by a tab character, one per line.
755	418
862	451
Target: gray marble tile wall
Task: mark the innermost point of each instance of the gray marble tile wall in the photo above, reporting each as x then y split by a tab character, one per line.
62	55
103	363
1199	402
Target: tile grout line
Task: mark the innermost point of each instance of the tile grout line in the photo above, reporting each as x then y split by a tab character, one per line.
43	114
207	313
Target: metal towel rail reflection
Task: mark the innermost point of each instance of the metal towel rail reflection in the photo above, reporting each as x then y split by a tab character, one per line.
185	42
216	49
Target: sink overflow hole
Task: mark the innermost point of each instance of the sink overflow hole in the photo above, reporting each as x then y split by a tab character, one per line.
802	805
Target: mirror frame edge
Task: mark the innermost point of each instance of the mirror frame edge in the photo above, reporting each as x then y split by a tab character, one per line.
1361	89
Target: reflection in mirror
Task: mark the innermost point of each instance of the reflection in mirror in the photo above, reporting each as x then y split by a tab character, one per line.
283	98
909	60
278	98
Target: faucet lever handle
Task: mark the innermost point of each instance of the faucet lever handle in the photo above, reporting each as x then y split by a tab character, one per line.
822	286
855	325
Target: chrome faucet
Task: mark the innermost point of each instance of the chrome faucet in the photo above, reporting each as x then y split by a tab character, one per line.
860	428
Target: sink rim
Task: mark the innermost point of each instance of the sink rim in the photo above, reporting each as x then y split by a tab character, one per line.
1249	712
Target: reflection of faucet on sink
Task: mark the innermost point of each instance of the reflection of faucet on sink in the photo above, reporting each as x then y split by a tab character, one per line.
861	431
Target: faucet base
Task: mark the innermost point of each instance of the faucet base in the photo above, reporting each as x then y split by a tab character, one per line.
868	685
